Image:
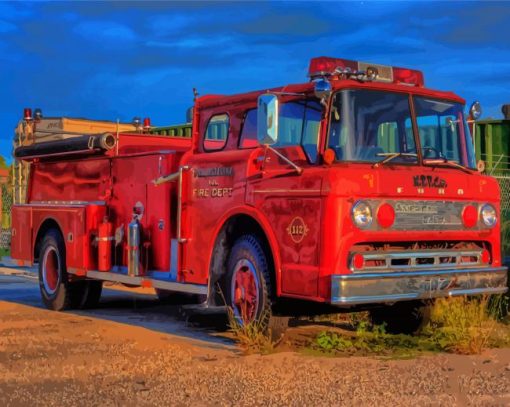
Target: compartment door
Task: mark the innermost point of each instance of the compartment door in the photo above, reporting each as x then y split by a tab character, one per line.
21	238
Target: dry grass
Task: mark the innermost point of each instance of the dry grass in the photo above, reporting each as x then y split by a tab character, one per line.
252	337
467	325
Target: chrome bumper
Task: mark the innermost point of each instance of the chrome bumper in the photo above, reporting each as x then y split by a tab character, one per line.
366	288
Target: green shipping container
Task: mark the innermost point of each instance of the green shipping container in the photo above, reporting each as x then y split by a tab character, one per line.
180	130
492	145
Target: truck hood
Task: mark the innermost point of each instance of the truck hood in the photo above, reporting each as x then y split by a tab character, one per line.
412	182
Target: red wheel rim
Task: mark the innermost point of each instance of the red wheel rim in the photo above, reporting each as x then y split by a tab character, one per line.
50	269
245	292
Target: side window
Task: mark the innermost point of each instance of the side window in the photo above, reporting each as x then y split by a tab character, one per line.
248	137
291	124
299	125
217	133
311	127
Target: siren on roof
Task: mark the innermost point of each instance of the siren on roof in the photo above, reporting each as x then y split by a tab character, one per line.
337	68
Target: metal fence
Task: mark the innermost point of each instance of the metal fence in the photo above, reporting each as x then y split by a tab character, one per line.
499	168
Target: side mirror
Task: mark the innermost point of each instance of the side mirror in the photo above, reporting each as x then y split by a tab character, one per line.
475	111
267	119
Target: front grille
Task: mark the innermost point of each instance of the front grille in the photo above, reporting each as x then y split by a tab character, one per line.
425	256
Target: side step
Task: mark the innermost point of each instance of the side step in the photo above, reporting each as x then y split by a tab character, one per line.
145	282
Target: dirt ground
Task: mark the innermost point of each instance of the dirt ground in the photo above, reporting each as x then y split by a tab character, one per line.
134	351
56	359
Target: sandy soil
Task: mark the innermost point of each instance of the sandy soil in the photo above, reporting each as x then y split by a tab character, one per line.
56	359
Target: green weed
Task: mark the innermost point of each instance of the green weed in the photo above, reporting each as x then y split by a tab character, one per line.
458	325
252	337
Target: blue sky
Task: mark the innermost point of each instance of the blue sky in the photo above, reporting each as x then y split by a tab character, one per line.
124	59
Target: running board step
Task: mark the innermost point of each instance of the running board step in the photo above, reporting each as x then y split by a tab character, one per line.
147	282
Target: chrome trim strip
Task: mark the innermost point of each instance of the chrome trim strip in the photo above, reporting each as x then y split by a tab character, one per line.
414	296
371	276
60	203
286	191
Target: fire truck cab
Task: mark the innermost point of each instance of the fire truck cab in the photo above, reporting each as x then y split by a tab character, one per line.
356	189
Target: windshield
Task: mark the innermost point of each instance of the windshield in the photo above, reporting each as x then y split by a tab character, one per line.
368	125
444	134
371	126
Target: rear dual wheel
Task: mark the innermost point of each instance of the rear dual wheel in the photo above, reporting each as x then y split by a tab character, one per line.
57	291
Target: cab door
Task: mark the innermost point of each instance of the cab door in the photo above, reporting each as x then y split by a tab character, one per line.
214	184
292	202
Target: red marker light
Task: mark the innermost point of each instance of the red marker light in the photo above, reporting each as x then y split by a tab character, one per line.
385	215
408	77
327	65
27	113
147	123
469	216
358	261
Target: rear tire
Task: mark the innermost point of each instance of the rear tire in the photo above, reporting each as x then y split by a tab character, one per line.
406	317
57	292
247	284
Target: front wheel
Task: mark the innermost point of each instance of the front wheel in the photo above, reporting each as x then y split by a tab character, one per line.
247	286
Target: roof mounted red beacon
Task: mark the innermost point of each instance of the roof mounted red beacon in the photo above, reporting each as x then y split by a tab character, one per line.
337	68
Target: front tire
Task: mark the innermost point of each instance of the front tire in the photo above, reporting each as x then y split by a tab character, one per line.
57	292
247	286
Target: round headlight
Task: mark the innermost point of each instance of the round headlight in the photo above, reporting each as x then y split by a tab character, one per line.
489	215
362	214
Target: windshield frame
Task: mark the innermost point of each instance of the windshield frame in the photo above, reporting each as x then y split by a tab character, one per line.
420	161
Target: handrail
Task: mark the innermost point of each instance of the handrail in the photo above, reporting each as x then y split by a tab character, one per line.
176	176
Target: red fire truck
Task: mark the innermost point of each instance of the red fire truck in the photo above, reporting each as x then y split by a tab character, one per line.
356	189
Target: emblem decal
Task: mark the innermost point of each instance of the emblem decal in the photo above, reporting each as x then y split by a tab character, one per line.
297	229
429	181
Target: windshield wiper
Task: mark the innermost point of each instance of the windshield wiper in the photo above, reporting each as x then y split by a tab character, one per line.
391	156
444	161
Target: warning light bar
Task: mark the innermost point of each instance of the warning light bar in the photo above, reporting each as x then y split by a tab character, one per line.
336	68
